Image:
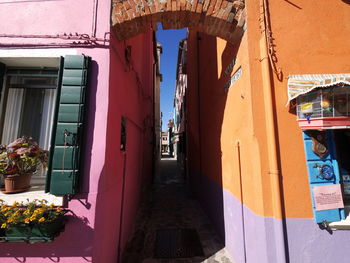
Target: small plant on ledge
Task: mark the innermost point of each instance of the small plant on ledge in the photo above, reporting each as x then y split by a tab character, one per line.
32	222
18	161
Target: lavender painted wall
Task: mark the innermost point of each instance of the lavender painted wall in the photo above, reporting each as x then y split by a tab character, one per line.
306	241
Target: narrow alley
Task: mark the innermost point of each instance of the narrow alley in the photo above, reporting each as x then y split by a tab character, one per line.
171	226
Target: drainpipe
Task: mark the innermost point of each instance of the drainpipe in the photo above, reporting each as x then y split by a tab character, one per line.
271	137
199	107
121	211
242	200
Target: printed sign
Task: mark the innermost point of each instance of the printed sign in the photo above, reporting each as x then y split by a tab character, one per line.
328	197
233	79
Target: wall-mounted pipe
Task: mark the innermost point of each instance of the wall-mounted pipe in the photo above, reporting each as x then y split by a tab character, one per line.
271	138
94	18
199	106
64	36
242	199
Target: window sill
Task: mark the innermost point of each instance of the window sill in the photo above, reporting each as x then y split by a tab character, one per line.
35	192
343	224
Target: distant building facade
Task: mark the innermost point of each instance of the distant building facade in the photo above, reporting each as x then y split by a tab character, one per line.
165	143
179	130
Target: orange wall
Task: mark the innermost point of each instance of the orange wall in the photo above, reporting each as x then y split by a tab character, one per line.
316	42
226	117
311	37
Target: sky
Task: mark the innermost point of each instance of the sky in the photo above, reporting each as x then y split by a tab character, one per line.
169	40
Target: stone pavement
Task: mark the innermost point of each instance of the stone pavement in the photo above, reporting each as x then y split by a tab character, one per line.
169	205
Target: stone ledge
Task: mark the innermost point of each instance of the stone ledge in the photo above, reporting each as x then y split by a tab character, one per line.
35	192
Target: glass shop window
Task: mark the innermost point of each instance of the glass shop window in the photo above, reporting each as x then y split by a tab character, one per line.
342	143
28	106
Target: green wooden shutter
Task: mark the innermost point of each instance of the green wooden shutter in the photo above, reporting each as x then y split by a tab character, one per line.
65	153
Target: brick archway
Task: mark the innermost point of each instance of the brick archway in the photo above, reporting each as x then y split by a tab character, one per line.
222	18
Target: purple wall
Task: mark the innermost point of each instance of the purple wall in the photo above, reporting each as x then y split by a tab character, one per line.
306	241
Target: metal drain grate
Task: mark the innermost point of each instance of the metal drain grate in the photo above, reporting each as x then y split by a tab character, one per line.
177	243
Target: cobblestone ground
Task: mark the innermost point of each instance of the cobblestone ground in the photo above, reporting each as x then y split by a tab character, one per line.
170	205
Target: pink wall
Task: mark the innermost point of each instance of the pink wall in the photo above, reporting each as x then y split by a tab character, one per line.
117	90
52	17
132	97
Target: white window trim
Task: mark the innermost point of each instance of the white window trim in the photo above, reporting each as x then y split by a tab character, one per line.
36	191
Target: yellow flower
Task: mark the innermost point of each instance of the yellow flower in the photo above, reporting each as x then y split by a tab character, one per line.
27	220
8	214
42	219
3	225
15	203
16	213
52	205
59	209
10	220
32	218
27	212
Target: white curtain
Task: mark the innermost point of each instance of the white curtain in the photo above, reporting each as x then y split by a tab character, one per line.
45	130
47	118
12	115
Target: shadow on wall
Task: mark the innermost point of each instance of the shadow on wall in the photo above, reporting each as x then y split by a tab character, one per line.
123	177
89	132
206	168
76	240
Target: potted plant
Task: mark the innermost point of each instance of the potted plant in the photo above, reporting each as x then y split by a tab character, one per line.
18	161
32	222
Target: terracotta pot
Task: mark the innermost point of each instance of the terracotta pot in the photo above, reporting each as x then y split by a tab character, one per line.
17	183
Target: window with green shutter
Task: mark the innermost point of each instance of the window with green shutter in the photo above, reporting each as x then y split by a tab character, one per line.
67	136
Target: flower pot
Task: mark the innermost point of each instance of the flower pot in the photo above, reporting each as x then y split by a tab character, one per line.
49	229
42	232
17	183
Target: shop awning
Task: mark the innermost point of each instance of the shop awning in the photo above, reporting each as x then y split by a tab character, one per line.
301	84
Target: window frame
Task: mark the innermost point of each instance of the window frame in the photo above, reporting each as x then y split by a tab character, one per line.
26	55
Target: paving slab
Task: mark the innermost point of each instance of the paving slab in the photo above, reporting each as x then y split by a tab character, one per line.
170	205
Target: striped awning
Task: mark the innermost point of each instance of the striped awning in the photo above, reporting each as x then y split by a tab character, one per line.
301	84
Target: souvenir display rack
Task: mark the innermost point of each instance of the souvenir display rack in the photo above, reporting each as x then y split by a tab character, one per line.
324	108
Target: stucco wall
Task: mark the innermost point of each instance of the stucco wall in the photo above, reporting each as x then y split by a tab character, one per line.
315	42
117	88
131	97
